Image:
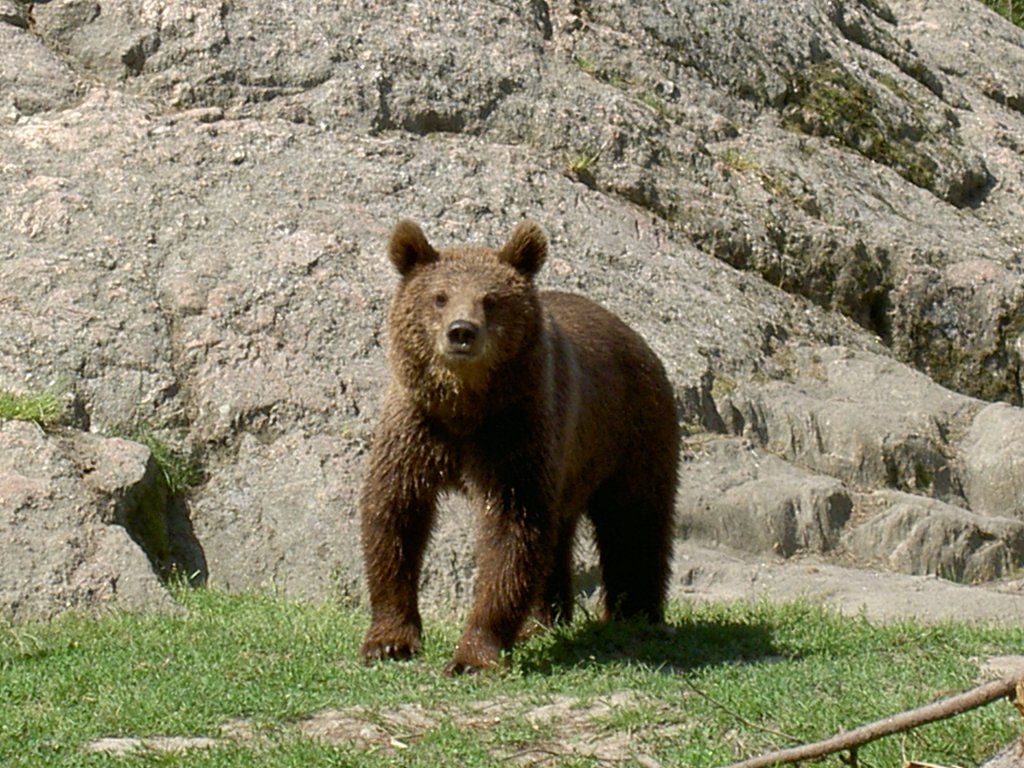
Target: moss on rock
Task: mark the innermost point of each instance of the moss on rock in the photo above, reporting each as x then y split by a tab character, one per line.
828	100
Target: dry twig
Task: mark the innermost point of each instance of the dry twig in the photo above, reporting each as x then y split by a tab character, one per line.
1011	686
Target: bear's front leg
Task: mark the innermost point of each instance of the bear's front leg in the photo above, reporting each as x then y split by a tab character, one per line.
397	513
513	561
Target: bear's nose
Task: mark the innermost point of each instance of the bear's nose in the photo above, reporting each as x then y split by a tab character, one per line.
462	333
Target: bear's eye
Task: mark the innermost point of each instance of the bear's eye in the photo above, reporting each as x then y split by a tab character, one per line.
489	302
440	300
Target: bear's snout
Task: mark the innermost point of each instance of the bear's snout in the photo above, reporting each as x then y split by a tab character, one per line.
463	337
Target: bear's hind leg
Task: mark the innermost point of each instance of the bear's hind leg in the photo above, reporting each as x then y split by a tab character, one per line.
556	602
633	528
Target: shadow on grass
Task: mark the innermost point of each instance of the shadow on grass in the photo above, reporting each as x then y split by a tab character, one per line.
681	646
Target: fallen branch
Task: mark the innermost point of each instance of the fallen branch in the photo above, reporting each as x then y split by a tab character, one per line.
1011	686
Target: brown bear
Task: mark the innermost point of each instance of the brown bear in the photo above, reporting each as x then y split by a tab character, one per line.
541	406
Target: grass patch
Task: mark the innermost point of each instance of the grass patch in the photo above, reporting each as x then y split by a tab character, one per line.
1011	9
582	165
181	469
655	103
43	408
738	161
277	683
585	63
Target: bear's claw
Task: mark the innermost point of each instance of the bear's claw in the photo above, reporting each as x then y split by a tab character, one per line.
455	668
396	651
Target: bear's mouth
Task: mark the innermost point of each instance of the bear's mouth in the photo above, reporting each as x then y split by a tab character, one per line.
462	349
464	360
461	353
465	368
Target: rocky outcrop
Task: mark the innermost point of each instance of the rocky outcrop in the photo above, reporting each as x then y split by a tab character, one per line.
927	477
811	210
80	514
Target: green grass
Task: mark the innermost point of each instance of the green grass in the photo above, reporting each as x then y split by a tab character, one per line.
181	469
724	682
43	408
1011	9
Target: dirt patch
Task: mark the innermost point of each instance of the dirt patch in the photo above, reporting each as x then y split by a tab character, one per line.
554	728
562	726
156	744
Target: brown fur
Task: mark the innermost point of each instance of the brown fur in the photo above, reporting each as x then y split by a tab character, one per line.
542	407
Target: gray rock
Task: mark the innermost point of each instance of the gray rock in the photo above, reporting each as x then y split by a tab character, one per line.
993	462
735	495
71	512
854	415
961	324
32	78
16	13
914	535
723	165
896	449
282	516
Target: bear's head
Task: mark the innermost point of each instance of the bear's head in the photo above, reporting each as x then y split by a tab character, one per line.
463	317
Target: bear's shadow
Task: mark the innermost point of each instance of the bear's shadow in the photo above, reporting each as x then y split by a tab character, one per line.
677	647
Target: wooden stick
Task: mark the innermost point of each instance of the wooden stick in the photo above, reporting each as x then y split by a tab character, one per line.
1012	686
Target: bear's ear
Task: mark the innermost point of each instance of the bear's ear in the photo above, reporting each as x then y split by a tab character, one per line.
526	250
408	247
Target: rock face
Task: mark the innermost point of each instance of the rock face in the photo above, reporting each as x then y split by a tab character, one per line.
80	514
811	210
